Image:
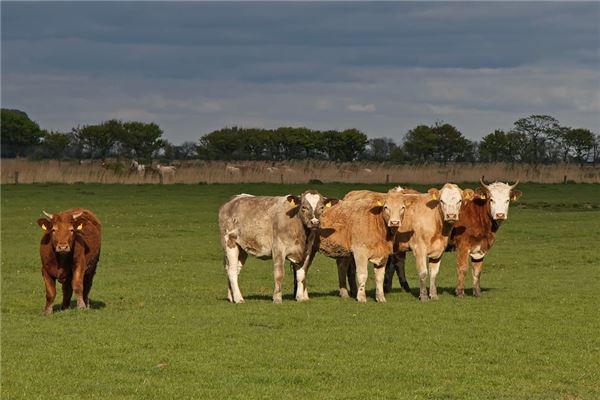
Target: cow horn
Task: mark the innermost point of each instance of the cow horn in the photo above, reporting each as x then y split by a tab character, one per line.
47	215
483	183
515	184
77	215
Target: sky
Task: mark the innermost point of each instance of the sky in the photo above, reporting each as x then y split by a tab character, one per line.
384	68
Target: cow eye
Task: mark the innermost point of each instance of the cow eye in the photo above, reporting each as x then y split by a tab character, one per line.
304	208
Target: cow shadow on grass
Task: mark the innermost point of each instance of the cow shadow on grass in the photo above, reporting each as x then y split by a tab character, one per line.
290	296
442	290
94	305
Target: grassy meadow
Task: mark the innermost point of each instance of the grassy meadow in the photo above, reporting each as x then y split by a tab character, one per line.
160	326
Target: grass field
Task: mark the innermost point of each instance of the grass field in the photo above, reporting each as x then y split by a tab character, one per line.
161	328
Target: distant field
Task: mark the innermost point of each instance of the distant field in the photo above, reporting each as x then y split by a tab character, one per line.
290	172
161	327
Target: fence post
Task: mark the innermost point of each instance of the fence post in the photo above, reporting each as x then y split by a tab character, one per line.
387	179
161	178
281	177
565	180
16	177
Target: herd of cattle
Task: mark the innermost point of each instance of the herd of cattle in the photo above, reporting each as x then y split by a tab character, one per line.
362	227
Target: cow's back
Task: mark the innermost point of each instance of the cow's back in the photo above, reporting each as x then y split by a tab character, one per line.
248	220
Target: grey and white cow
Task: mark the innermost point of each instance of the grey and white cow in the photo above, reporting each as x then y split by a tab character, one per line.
270	227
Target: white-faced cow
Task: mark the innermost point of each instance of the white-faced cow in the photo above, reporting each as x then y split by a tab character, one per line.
425	231
475	232
270	227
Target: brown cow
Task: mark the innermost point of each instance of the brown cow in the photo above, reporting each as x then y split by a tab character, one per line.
475	232
70	251
363	229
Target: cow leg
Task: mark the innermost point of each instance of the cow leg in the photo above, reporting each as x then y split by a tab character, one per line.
421	262
352	277
434	268
379	277
390	269
342	267
88	279
50	284
278	273
400	262
67	290
232	266
477	266
77	284
300	286
362	273
462	264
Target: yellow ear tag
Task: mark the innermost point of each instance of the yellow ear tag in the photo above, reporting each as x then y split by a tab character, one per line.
514	198
434	196
80	227
482	196
328	205
44	227
292	203
379	203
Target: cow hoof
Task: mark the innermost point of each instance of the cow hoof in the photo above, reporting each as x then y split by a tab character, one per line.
277	300
424	298
47	311
344	293
300	298
381	299
239	301
434	297
361	298
476	293
460	293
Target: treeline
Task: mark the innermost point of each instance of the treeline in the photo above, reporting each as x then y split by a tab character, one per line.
534	139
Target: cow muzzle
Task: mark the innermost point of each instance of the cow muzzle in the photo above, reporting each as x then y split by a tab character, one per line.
394	223
451	218
314	223
500	216
62	248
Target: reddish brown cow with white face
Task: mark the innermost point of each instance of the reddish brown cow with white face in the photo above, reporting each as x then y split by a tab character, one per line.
475	232
70	250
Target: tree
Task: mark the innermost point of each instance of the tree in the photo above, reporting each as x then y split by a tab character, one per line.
420	143
379	149
141	140
494	147
451	145
579	142
19	134
538	128
185	151
99	140
55	145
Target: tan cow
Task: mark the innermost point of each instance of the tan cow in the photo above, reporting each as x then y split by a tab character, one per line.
270	227
425	231
363	230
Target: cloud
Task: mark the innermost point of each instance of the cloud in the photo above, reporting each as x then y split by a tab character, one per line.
361	107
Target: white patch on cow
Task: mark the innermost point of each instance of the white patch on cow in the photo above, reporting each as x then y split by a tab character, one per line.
398	189
313	200
450	200
499	198
244	195
477	254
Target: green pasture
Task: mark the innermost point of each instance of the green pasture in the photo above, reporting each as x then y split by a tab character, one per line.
160	326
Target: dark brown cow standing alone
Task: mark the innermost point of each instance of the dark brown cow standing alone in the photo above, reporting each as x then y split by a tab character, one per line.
70	251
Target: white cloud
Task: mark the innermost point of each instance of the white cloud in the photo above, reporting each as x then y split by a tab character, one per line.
361	107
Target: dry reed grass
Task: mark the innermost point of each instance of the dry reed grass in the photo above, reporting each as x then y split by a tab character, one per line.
194	172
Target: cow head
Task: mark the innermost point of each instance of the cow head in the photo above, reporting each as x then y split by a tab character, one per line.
450	199
311	205
500	195
393	207
62	229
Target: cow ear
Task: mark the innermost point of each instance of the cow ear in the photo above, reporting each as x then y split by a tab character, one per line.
331	202
409	201
45	224
468	194
293	200
481	193
434	193
515	194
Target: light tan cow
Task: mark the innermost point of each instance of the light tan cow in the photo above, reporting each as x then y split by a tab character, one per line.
363	230
425	231
270	227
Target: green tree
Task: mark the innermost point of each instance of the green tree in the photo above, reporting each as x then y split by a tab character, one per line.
580	143
99	140
537	128
19	134
451	145
55	145
141	140
420	143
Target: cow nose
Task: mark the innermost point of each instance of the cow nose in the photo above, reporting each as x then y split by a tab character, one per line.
315	221
62	248
500	216
451	217
395	223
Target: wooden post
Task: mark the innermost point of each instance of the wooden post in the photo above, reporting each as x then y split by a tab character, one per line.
161	178
281	177
16	177
565	180
387	179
